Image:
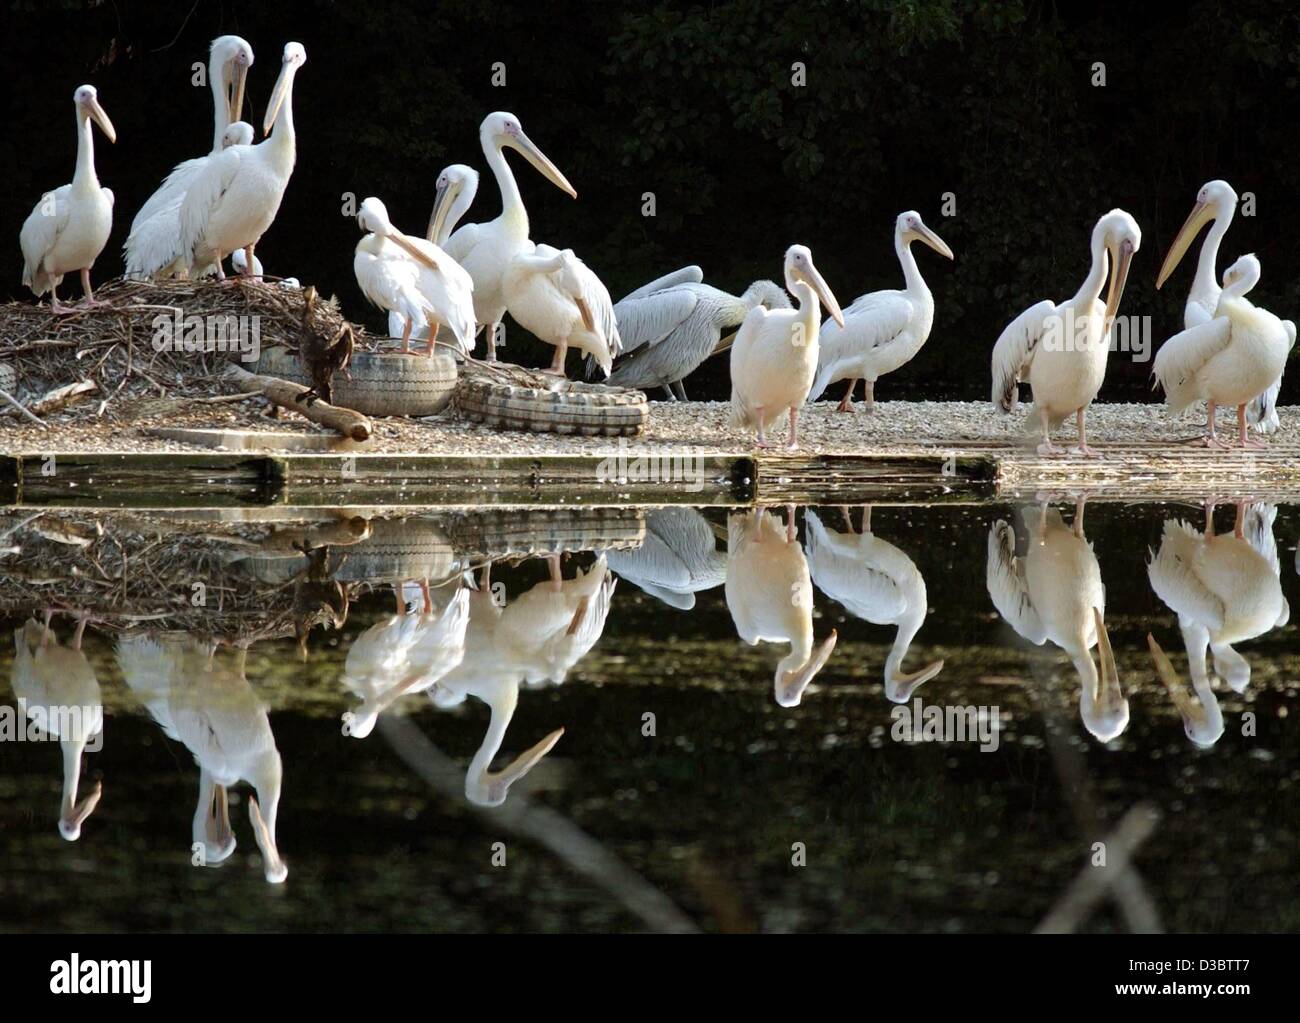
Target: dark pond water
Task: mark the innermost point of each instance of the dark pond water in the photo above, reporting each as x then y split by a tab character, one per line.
410	772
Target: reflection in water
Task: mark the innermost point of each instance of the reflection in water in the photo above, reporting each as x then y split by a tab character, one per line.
211	708
1225	589
678	559
61	692
876	581
769	592
1054	591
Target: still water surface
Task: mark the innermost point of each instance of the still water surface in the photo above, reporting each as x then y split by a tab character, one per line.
684	718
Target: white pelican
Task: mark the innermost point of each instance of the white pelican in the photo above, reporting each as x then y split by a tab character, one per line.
1224	589
412	277
153	248
678	558
884	329
62	693
877	582
494	679
239	262
554	294
769	593
70	226
670	326
1228	360
214	712
774	358
485	250
235	195
1061	349
1216	204
377	660
1054	591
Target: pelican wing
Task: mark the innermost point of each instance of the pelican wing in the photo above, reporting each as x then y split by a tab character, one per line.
1173	577
648	319
594	297
39	235
202	199
153	246
1014	353
840	569
1005	579
686	275
389	279
1258	529
870	323
1181	359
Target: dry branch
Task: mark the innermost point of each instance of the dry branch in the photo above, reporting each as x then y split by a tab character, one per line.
300	399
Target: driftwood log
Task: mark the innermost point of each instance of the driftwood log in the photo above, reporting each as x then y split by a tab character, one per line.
302	400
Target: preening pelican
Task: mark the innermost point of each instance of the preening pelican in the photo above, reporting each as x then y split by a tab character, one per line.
1054	591
486	250
70	226
678	558
1216	204
235	195
213	711
885	329
1061	349
1224	589
412	277
670	326
769	593
1228	360
774	359
554	294
153	248
61	692
877	582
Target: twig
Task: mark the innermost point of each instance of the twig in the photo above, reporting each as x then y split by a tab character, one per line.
20	407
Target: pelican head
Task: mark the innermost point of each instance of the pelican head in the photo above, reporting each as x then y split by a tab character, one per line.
455	190
799	269
294	57
1216	199
87	100
1240	278
211	825
1102	705
768	294
793	677
502	130
1119	233
373	216
909	227
234	57
240	133
73	815
1202	718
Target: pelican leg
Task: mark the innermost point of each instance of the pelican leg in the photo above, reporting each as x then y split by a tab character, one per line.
869	389
1239	527
1210	502
81	629
866	518
428	597
561	350
248	263
680	387
406	336
668	393
1244	440
791	534
846	403
1047	447
89	301
762	440
792	443
557	577
1083	449
57	307
492	340
1078	515
1210	439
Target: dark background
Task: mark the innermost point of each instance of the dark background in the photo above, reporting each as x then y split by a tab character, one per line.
993	102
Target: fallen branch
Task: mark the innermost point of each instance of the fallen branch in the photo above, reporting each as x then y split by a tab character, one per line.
20	407
52	401
287	395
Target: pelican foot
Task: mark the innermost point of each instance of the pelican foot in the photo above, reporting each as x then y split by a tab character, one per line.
1252	444
1085	451
93	303
1048	448
846	406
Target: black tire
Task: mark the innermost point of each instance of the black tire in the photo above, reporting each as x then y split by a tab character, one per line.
569	407
378	384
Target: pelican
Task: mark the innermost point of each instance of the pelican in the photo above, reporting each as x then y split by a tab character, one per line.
1216	204
1054	591
1224	589
213	711
885	329
235	195
769	594
376	663
670	326
677	560
486	250
553	293
412	277
494	679
60	691
1228	360
69	227
1061	349
153	248
774	358
239	262
877	582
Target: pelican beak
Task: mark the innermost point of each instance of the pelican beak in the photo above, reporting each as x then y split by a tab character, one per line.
278	94
217	830
442	203
793	683
902	684
931	239
1192	712
1202	213
1118	278
70	824
415	252
273	867
812	276
499	784
236	98
1109	675
541	163
101	119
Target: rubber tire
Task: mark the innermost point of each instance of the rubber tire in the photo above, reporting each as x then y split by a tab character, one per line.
507	534
376	384
575	409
